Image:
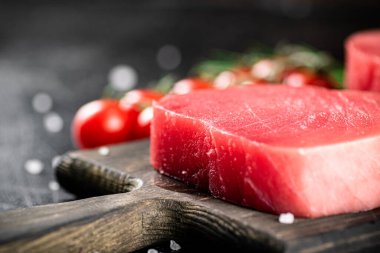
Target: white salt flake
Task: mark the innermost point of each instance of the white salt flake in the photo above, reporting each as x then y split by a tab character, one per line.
104	151
54	186
174	245
42	102
53	122
168	57
123	77
34	166
138	183
286	218
152	251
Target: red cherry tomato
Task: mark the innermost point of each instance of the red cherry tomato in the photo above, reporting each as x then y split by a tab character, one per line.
190	84
255	83
268	70
103	122
142	128
236	76
141	98
302	77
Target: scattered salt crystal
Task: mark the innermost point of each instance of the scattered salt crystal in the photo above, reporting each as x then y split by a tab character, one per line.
53	122
54	186
174	246
168	57
104	151
184	172
286	218
55	161
42	102
122	77
152	251
34	166
138	183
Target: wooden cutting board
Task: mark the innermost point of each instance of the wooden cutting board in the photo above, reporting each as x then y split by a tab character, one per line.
153	208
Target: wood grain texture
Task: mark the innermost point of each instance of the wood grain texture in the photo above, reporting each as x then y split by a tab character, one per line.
161	209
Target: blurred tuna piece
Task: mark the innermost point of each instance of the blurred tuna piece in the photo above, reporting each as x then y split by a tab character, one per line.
363	61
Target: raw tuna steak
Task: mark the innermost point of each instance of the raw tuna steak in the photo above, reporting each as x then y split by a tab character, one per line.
363	61
309	151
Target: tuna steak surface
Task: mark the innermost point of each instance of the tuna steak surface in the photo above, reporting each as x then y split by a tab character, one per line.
309	151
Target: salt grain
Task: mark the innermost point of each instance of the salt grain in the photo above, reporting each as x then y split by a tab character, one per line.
122	77
174	246
137	183
152	251
54	186
286	218
42	102
104	151
53	122
168	57
34	166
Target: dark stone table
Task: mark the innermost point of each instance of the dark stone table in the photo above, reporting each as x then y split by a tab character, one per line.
66	50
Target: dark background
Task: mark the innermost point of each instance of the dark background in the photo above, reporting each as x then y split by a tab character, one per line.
66	49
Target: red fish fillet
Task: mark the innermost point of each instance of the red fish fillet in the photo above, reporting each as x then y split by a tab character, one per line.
309	151
363	61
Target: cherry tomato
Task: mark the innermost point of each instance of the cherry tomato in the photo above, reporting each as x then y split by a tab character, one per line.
254	83
103	122
141	98
302	77
142	128
233	77
268	70
190	84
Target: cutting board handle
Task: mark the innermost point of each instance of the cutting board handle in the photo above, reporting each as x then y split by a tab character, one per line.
118	223
145	214
88	178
